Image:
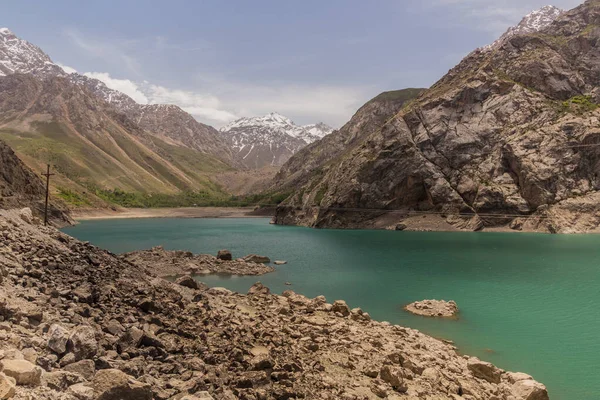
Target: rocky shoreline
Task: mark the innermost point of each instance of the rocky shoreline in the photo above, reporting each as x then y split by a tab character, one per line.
169	263
78	322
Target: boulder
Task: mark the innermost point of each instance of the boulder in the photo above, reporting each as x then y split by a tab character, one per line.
341	307
259	288
81	391
224	255
528	389
262	362
85	368
24	372
61	380
131	339
484	370
7	386
58	338
26	215
255	258
394	376
188	282
82	343
112	384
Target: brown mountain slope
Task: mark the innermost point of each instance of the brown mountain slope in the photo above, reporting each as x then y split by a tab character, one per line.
316	157
92	145
20	187
510	135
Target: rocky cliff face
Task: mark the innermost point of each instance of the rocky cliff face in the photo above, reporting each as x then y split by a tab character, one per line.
318	156
508	136
20	187
269	140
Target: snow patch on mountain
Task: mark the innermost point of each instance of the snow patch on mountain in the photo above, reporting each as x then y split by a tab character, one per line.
531	23
270	139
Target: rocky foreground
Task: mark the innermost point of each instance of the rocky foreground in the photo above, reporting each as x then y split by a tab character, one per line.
77	322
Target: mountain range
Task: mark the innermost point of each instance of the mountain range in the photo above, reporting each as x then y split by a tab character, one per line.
269	140
509	137
100	140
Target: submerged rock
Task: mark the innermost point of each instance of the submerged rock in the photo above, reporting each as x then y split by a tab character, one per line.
255	258
433	308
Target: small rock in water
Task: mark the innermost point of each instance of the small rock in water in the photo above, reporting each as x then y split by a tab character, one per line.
280	262
257	259
433	308
288	283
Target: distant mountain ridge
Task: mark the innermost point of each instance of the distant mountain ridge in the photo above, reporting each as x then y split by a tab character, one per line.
270	139
100	140
170	122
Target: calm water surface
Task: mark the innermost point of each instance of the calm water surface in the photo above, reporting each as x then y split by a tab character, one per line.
529	302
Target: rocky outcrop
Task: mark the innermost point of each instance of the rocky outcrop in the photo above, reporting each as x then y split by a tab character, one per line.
433	308
145	337
315	159
21	187
506	135
176	263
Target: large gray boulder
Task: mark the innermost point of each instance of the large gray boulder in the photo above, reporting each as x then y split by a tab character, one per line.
58	338
82	342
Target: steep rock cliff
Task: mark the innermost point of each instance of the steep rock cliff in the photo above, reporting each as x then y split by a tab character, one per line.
509	136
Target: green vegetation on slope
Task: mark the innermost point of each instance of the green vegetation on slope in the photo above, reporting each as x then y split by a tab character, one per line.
187	199
109	166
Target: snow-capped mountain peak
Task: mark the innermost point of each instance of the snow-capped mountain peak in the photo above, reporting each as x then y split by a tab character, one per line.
20	56
531	23
270	139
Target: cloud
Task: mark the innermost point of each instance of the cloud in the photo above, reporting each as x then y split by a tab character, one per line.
126	86
302	103
116	53
205	107
231	100
67	69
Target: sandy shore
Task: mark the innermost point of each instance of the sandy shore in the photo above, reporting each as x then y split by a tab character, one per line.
184	212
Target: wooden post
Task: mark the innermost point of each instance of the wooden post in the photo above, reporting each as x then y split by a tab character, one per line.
47	175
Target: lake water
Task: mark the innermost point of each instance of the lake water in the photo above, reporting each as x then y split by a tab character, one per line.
529	302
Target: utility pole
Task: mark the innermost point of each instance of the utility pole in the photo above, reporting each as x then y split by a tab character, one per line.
47	175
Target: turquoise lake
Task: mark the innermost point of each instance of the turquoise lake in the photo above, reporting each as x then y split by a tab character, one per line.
529	302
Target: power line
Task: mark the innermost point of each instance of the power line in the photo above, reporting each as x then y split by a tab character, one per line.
47	175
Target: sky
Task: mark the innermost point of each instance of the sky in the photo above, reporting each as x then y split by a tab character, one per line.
310	60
